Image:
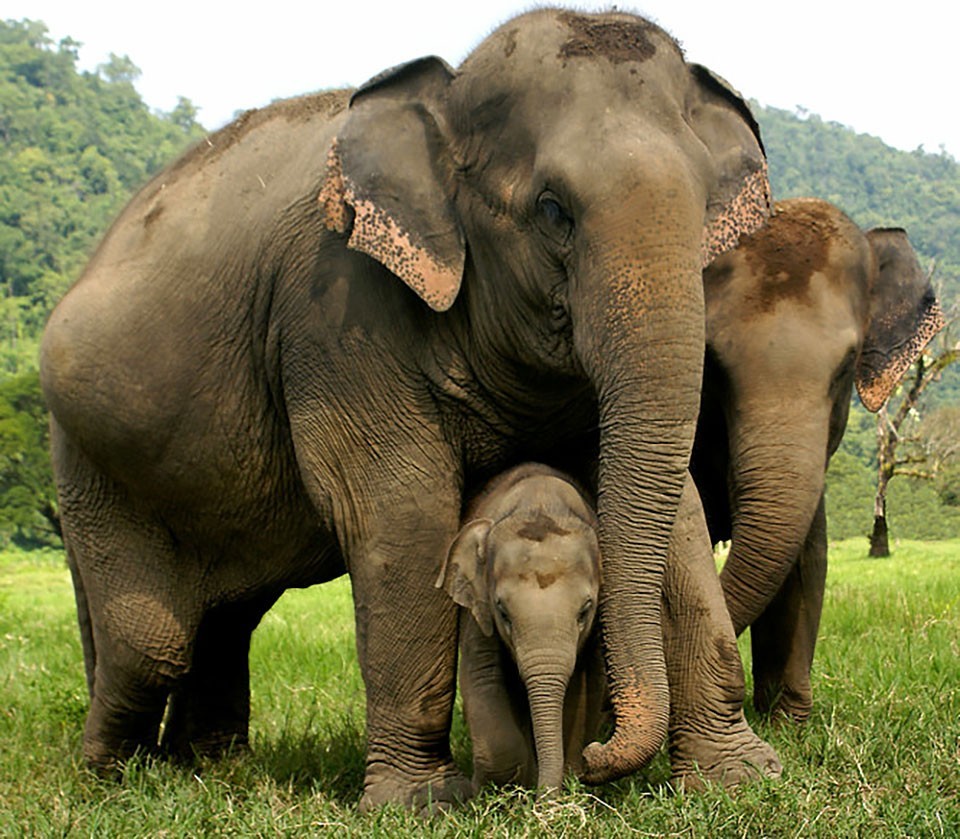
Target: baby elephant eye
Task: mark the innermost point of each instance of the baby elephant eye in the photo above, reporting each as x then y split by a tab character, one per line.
585	612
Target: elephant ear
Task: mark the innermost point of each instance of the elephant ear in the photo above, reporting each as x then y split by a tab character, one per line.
391	165
738	199
464	573
904	317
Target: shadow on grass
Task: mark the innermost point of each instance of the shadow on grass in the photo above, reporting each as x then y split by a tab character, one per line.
329	763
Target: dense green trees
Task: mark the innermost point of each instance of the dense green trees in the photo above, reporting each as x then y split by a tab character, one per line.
75	145
28	505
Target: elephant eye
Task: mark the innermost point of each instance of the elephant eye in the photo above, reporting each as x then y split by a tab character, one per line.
585	611
502	612
553	219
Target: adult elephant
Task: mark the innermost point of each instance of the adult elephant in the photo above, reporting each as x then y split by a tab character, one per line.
246	397
801	310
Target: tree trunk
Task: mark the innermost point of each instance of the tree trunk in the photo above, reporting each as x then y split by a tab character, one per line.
886	465
879	544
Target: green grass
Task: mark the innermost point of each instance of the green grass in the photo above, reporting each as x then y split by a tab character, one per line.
880	756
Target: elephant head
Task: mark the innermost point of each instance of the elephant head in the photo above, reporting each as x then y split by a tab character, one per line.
801	310
531	572
554	201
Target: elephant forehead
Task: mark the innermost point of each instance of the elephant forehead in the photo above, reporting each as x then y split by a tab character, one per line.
550	55
787	258
544	560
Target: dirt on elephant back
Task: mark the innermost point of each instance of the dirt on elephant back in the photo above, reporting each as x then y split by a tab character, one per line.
615	40
300	108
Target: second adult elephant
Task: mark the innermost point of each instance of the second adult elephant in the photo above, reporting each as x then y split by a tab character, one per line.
801	310
302	345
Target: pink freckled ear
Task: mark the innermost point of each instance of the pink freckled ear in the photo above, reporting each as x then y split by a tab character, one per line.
391	166
745	213
332	197
377	234
878	372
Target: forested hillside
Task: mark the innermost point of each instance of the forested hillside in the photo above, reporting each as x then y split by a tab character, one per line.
75	145
877	186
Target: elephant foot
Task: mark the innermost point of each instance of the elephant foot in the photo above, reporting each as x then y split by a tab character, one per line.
212	746
728	759
111	737
783	703
444	789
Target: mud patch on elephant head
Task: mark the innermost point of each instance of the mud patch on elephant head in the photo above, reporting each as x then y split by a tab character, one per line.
615	40
538	528
788	252
511	43
545	579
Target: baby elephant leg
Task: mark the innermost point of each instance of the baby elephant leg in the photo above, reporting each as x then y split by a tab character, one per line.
494	703
710	740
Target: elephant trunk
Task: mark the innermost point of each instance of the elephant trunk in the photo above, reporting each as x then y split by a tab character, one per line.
546	678
776	486
645	355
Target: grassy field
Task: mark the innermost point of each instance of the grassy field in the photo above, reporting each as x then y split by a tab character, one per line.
880	757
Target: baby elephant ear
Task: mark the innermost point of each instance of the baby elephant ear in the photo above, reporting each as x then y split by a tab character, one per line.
464	576
904	317
392	166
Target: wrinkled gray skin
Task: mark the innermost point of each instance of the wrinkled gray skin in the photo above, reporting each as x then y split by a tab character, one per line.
801	310
340	315
709	739
526	569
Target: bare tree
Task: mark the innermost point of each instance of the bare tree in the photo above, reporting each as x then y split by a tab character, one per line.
901	449
940	437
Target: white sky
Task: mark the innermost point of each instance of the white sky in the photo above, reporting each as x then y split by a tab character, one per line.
881	68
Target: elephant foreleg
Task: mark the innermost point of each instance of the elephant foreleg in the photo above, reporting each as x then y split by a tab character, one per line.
783	638
496	710
406	640
710	739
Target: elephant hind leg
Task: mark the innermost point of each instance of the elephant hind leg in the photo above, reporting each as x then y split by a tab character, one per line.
125	712
137	604
83	619
209	709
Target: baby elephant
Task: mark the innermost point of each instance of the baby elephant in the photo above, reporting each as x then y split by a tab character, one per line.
527	563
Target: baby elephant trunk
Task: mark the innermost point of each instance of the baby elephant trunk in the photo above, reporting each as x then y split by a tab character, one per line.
546	680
